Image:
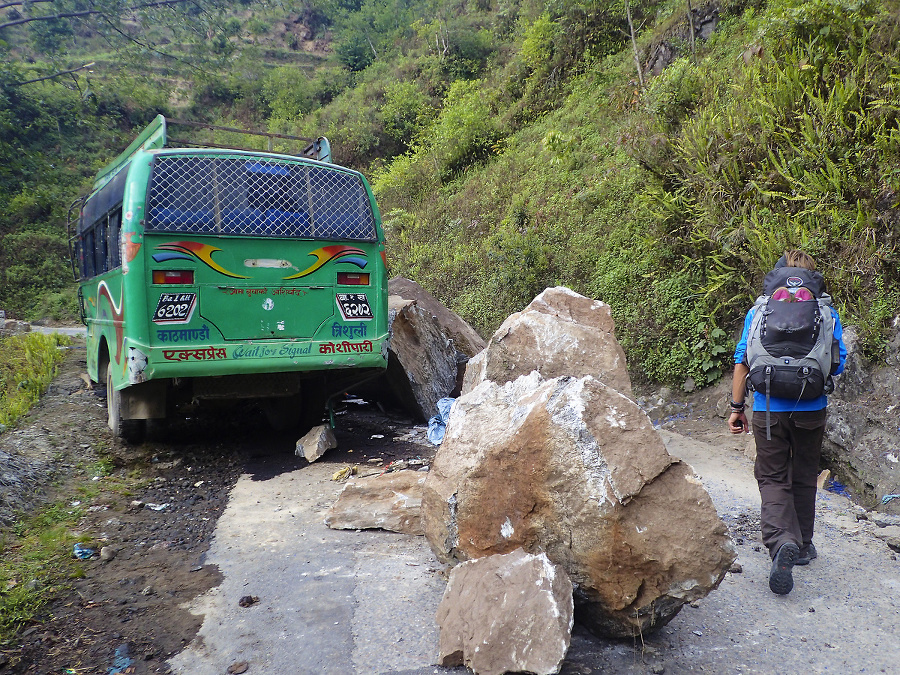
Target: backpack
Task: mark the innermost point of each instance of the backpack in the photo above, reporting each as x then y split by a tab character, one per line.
791	349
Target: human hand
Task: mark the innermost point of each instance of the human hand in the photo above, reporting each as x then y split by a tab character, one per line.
737	422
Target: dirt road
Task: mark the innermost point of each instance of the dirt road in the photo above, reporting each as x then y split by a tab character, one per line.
241	516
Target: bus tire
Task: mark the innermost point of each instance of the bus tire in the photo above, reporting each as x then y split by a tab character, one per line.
130	431
283	413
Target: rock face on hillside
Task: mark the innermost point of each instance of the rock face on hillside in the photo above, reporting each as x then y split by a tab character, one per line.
574	469
862	439
559	333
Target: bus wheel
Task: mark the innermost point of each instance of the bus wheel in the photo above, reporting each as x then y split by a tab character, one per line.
130	431
284	412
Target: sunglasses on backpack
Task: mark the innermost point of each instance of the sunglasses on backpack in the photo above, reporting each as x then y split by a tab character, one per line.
799	294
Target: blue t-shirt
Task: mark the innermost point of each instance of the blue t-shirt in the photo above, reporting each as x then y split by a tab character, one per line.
787	404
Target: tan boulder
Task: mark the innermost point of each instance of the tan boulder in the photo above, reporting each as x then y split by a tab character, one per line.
560	333
422	360
392	502
573	468
316	443
506	613
464	337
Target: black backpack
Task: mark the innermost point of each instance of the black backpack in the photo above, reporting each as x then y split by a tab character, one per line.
791	349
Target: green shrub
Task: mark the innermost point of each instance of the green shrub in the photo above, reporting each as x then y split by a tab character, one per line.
27	365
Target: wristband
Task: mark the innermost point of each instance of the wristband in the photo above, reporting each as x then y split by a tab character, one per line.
738	407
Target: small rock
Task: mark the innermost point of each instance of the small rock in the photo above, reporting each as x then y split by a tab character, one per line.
147	590
314	444
890	535
107	553
657	669
238	668
736	568
248	601
137	504
695	604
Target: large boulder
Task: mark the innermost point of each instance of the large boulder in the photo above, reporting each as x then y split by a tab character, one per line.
428	349
573	468
422	362
465	338
559	333
506	613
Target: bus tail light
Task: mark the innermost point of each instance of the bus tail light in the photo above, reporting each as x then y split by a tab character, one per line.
353	278
173	276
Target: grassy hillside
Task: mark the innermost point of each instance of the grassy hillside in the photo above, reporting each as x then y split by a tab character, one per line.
668	201
514	145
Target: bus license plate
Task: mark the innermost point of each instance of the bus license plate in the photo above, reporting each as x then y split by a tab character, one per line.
354	306
175	308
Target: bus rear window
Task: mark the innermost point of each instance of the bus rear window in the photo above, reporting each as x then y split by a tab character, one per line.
254	196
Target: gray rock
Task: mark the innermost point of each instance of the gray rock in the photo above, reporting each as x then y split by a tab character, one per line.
889	535
422	364
316	442
506	613
392	502
465	338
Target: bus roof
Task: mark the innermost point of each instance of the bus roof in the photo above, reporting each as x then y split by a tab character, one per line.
154	137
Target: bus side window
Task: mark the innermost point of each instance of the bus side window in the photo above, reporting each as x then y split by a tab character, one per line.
79	256
100	247
88	248
113	249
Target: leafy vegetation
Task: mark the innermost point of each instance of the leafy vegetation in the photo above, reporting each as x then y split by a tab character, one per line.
512	144
27	366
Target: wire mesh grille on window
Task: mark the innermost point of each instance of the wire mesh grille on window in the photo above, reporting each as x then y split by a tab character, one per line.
244	196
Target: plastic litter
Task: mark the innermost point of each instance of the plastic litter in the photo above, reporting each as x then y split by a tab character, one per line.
887	498
121	662
82	552
437	424
837	488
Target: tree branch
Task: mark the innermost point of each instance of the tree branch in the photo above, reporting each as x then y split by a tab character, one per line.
21	2
87	12
50	77
150	47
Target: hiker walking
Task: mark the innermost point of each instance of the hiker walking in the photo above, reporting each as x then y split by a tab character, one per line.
790	347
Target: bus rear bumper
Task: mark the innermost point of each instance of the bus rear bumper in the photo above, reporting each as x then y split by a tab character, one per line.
260	358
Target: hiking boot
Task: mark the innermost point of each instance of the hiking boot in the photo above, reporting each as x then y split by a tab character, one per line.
807	553
781	579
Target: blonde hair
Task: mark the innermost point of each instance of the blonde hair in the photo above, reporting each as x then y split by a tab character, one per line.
795	258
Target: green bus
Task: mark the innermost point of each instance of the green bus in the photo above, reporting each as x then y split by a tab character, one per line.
215	273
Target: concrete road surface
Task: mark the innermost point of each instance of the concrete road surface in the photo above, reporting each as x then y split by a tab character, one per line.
347	602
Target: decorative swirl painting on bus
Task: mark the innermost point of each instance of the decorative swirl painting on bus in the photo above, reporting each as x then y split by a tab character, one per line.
193	250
